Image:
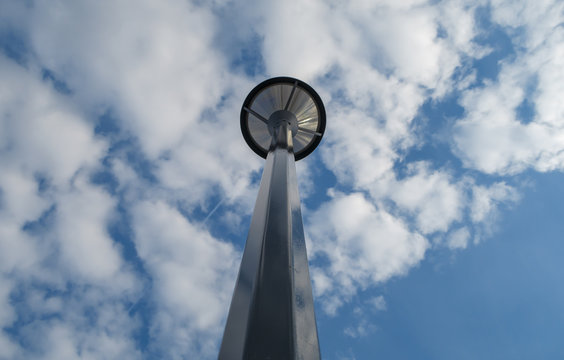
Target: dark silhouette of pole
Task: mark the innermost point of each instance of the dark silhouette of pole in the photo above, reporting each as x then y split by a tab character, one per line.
272	313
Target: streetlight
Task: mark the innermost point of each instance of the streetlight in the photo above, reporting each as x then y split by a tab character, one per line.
271	314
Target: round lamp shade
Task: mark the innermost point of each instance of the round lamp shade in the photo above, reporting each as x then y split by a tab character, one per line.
283	94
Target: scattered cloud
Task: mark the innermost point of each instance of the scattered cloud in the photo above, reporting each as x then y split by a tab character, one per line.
364	245
362	329
192	275
378	303
494	136
431	196
458	239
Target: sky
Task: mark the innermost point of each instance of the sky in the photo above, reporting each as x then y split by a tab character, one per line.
432	206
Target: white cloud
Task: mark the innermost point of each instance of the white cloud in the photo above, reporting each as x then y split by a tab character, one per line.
458	239
18	250
431	196
362	325
378	303
492	138
8	348
60	270
486	204
361	329
19	203
153	64
357	151
193	276
42	132
381	34
82	216
365	246
458	19
484	200
91	325
539	17
300	49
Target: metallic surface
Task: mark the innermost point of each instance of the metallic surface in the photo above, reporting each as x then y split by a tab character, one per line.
274	98
279	116
271	314
283	94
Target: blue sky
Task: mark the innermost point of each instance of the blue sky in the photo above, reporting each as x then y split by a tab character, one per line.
432	207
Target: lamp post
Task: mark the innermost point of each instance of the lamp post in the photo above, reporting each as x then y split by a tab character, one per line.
271	314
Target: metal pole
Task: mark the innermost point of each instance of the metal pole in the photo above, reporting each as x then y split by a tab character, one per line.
271	314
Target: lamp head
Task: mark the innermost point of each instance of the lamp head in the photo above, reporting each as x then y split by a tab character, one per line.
283	99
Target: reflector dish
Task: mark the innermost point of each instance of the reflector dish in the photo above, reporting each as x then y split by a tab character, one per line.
283	93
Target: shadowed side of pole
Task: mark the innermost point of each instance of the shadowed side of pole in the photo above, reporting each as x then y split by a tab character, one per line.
271	314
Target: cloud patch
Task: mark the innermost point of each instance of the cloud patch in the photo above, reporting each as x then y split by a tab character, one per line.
364	245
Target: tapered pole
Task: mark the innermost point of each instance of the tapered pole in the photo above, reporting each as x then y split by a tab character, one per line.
272	314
